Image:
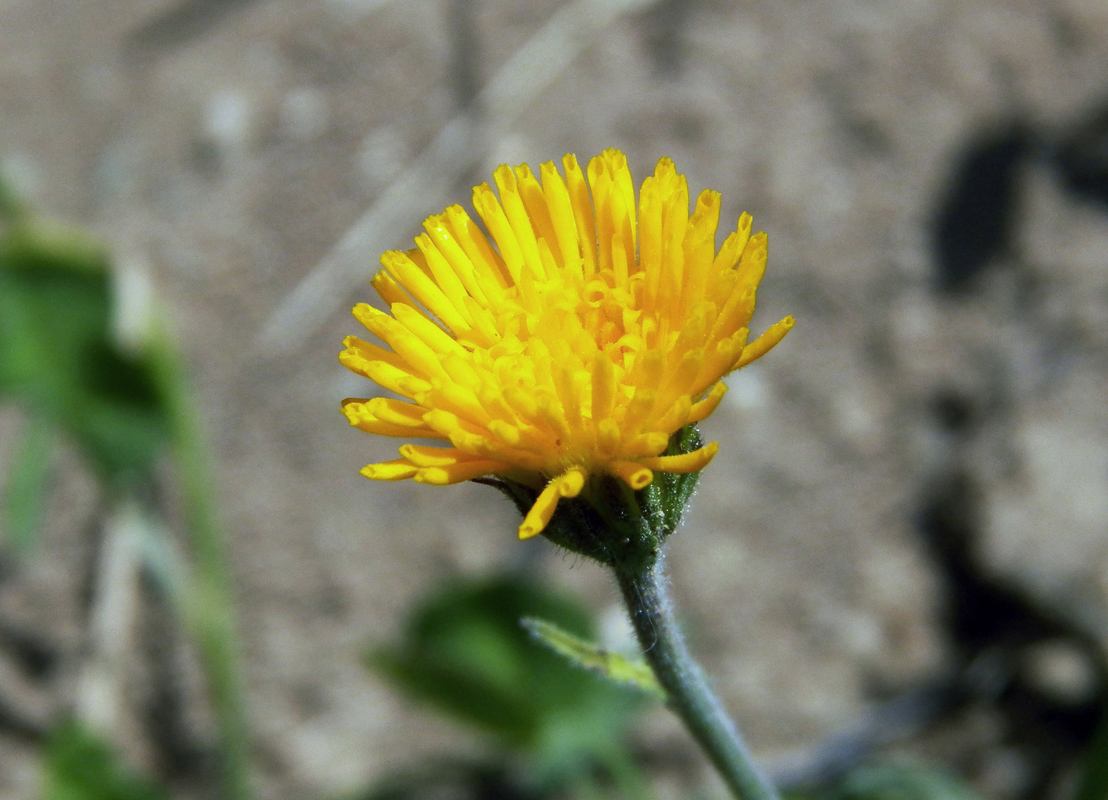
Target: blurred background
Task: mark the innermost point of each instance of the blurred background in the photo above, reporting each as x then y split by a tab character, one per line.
898	558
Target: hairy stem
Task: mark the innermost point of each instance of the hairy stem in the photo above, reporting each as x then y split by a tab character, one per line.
644	590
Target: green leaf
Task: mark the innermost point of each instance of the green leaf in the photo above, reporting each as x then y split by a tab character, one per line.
464	652
901	782
78	765
624	671
58	356
26	492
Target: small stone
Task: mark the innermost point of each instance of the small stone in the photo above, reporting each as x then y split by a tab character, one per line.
305	114
1061	670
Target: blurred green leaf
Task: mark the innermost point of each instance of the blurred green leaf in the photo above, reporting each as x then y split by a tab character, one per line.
24	500
78	765
60	359
900	782
57	354
635	673
10	205
465	652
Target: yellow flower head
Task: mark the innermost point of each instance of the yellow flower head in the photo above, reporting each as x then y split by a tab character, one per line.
589	330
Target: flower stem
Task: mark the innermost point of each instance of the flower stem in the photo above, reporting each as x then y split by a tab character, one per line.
208	608
644	590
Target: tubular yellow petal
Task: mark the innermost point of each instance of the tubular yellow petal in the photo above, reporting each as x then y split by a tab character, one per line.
444	275
425	330
448	423
550	412
423	360
625	190
376	426
355	360
439	232
525	438
705	407
752	265
634	474
422	456
458	473
506	432
699	248
485	333
735	314
422	288
607	438
492	398
371	318
638	408
603	387
517	216
535	202
682	379
718	361
650	239
372	352
393	379
360	417
355	411
566	383
651	367
462	371
396	412
695	330
496	221
675	220
647	444
561	217
600	183
766	342
734	244
543	509
487	264
404	343
620	266
688	462
460	400
485	447
582	213
398	470
390	291
571	482
523	403
677	416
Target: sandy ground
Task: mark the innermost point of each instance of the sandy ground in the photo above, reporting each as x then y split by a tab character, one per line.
226	150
